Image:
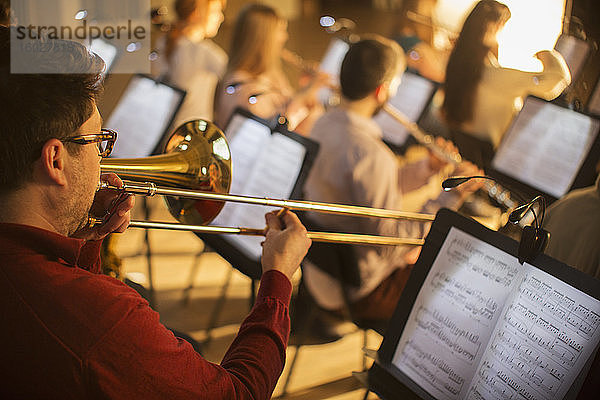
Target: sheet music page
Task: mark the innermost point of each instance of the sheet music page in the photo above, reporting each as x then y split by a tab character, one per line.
331	63
454	315
246	138
142	116
411	99
546	146
267	165
547	332
574	51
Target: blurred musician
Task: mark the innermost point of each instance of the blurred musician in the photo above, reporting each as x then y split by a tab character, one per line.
416	39
68	331
5	17
574	226
481	97
189	59
255	69
354	166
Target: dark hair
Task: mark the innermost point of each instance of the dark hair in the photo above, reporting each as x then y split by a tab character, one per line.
367	64
405	20
5	12
466	62
39	107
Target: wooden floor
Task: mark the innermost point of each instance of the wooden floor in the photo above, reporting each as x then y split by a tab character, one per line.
321	372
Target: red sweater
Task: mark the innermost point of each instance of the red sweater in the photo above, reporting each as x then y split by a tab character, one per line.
69	332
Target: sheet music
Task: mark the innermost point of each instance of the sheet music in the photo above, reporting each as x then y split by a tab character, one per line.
546	146
574	51
454	315
412	98
485	327
331	63
264	165
547	332
142	116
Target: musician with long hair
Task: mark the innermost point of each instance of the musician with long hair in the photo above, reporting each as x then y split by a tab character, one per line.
189	59
481	97
414	33
255	68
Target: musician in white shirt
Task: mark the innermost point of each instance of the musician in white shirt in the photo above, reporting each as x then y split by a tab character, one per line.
190	60
354	166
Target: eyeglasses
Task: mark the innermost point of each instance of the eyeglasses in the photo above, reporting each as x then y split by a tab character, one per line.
105	140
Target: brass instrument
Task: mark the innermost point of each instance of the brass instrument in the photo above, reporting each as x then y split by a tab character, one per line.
494	190
196	172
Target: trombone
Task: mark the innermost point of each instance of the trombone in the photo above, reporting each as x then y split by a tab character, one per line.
197	157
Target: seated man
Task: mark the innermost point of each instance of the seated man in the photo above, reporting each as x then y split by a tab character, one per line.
70	332
354	166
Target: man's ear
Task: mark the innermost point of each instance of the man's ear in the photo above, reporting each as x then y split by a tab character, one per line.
54	160
381	93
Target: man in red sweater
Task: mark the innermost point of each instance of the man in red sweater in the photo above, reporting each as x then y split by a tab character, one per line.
68	331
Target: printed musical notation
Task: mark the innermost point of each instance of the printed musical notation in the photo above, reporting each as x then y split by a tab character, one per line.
463	343
539	342
485	265
468	297
455	314
485	327
432	368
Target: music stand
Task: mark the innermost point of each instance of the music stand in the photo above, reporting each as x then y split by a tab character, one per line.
412	98
142	118
575	52
473	321
548	149
258	147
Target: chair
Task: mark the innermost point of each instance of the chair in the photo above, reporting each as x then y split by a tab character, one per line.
339	261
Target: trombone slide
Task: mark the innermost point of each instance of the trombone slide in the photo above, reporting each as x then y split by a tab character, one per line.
329	237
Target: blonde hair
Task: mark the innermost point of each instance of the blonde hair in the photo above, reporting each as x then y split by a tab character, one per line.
253	42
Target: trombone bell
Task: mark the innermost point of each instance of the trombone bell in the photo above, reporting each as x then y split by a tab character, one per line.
196	156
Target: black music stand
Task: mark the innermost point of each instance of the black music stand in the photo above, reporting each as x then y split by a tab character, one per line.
514	331
413	98
143	118
229	246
